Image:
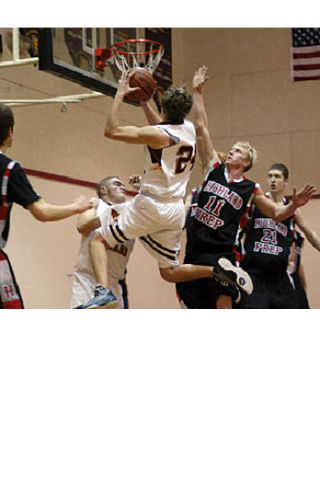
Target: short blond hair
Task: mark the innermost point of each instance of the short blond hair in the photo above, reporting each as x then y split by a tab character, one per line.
251	153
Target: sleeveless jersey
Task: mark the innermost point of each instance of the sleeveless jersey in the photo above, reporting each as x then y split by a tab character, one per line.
167	171
118	256
267	244
215	224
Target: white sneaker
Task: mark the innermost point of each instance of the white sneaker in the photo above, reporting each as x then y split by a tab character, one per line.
236	276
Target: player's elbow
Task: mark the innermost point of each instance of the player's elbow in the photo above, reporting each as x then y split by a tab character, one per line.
113	134
38	211
200	127
108	133
40	215
81	230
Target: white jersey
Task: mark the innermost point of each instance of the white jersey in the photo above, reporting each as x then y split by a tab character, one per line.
84	278
167	171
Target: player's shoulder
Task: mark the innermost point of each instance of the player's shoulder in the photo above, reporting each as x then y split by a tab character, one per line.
213	166
101	206
6	162
189	125
255	185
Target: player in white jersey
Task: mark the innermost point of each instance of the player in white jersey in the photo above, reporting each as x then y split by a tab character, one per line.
162	165
157	214
109	190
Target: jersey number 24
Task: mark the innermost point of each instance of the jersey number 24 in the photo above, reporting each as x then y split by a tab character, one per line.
184	158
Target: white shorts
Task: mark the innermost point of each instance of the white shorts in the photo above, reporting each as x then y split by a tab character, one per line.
158	224
83	289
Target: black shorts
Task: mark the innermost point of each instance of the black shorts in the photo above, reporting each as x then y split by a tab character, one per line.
302	300
203	293
274	291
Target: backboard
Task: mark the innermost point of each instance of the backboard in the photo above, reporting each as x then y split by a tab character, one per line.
69	53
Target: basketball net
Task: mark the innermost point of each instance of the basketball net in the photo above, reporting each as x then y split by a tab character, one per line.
129	54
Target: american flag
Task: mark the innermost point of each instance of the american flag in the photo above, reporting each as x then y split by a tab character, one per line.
305	53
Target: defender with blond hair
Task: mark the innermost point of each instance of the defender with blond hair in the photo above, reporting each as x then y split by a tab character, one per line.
157	214
216	222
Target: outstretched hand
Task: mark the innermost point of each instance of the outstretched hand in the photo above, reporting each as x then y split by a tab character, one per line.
82	204
199	78
124	84
303	196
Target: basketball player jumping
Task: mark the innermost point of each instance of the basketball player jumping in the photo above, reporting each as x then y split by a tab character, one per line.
157	214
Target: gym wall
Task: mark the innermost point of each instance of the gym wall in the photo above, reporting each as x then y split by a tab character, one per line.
249	96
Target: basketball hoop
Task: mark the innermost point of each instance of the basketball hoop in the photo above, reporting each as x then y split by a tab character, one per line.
129	54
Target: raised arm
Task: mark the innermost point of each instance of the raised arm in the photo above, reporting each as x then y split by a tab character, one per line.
282	212
200	115
152	116
148	135
206	151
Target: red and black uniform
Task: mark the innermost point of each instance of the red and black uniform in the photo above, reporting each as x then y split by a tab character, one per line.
213	230
267	249
14	188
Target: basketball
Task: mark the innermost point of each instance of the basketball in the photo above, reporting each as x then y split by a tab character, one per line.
143	79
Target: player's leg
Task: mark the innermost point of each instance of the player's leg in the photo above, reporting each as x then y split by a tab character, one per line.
224	271
185	273
166	245
118	224
103	297
99	258
82	289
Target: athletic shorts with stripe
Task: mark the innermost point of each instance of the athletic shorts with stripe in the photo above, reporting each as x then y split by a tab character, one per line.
10	297
157	223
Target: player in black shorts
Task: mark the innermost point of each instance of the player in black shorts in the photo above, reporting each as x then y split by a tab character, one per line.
267	249
216	222
212	228
16	188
